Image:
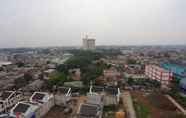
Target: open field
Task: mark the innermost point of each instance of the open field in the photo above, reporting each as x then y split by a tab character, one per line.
154	105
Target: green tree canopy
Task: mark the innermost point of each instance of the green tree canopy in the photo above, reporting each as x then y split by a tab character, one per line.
57	78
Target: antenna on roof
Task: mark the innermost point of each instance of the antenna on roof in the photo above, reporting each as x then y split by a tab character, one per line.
90	90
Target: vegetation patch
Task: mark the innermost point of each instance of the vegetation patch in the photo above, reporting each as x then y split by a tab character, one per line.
141	110
87	61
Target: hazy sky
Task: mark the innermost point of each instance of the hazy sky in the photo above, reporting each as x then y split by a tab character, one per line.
26	23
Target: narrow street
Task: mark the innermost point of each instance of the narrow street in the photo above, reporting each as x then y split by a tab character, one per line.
128	104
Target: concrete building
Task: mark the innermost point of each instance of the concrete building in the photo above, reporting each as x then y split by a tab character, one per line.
88	43
25	110
111	76
92	108
111	94
37	107
8	99
34	86
44	100
62	96
157	73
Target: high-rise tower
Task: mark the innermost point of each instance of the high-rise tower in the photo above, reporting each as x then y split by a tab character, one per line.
88	43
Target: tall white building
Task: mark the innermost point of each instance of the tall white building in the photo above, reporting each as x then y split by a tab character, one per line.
89	43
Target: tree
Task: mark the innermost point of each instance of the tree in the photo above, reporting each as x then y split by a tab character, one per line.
84	60
1	69
27	77
91	73
57	78
131	61
20	64
63	68
130	81
20	82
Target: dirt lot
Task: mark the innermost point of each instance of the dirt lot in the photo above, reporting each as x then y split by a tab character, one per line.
154	106
56	112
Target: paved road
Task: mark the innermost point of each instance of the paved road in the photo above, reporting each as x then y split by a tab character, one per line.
176	104
128	104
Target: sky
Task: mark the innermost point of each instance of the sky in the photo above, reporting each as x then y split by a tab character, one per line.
34	23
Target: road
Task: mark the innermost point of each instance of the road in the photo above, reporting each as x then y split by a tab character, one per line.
128	104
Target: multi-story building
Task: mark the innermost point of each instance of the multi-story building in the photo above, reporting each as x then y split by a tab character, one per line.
88	43
157	73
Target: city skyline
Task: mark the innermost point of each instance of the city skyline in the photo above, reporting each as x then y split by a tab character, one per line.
36	23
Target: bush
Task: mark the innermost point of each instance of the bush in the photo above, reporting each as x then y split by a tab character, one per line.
110	108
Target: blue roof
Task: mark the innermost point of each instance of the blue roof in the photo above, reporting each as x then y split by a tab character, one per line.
177	70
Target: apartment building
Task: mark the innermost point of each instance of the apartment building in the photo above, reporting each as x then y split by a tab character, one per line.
157	73
88	43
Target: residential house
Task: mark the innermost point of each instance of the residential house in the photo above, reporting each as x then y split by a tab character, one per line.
92	108
75	74
111	75
44	100
62	96
111	94
34	86
25	110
